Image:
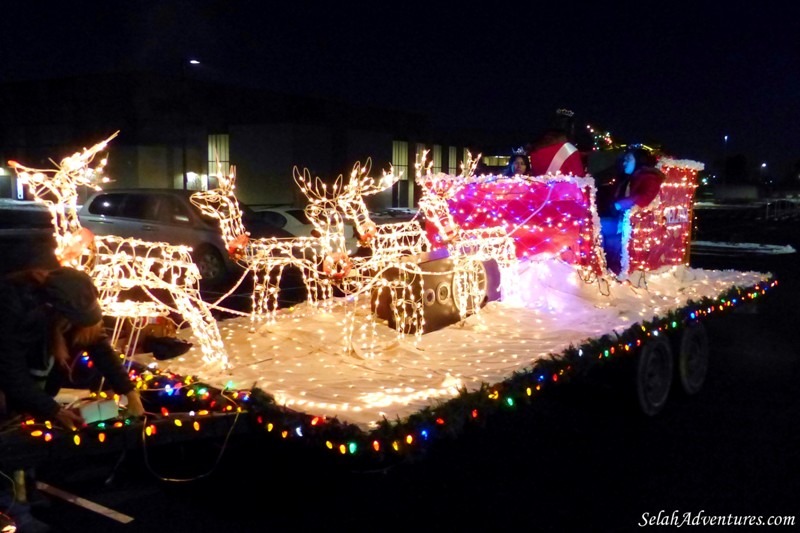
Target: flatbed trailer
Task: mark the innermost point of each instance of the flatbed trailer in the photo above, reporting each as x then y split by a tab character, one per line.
668	351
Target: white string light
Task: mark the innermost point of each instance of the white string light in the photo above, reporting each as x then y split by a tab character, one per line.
265	258
467	245
390	267
118	264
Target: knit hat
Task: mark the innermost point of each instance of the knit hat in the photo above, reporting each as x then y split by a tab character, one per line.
73	294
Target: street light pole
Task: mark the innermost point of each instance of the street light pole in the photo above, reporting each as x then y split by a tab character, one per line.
185	98
725	160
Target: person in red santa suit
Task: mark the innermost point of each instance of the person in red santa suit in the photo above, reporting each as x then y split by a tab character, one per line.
637	183
554	151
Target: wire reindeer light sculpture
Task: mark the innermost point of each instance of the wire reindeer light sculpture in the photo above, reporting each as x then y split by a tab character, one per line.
118	264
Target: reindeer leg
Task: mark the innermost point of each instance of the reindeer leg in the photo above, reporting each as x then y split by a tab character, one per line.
274	290
260	272
197	314
311	281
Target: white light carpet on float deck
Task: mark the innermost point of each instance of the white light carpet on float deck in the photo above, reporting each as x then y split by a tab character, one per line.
301	358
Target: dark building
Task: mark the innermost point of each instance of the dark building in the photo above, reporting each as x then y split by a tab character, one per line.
172	131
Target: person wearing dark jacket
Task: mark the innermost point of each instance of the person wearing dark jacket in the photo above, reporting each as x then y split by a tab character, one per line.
46	316
637	183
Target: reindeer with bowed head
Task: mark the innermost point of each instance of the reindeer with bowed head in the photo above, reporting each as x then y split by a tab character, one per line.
265	258
119	264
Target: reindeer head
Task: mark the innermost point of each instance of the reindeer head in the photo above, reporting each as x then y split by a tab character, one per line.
62	182
57	188
322	209
221	204
437	189
352	203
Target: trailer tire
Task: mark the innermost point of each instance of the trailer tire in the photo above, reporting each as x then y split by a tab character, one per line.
654	373
692	361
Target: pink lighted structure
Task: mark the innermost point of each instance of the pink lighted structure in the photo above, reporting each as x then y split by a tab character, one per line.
555	217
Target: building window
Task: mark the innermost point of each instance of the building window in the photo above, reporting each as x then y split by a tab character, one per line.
218	152
420	149
400	159
452	160
437	158
495	160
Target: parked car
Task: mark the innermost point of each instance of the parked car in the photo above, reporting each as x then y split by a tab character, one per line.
167	215
295	221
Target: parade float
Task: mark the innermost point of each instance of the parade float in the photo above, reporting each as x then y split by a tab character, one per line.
494	292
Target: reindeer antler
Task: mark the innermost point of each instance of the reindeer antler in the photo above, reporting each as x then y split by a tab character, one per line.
77	165
469	165
423	164
439	185
316	190
362	184
226	181
72	172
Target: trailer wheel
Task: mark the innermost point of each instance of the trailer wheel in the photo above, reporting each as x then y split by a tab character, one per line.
654	370
693	358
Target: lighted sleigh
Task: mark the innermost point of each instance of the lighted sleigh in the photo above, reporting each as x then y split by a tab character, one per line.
554	217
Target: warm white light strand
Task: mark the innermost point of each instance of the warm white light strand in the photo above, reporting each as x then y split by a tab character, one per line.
266	258
469	246
118	264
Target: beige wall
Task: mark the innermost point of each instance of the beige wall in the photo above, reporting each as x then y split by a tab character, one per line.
154	168
140	166
266	154
262	154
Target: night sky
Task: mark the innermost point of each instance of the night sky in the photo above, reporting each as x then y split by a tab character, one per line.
683	75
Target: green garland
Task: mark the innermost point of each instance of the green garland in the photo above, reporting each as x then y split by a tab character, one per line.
412	437
187	404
